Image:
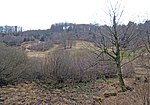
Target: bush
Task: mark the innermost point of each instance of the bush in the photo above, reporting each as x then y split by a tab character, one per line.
42	46
11	65
68	66
59	67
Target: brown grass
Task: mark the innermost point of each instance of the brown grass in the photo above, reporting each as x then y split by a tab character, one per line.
41	54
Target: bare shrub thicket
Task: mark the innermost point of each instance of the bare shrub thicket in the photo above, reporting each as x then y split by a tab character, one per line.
12	40
12	63
63	65
69	66
41	46
32	70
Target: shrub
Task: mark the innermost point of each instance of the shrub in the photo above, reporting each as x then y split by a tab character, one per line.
11	65
68	66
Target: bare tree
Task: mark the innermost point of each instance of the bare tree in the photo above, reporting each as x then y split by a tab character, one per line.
67	40
117	41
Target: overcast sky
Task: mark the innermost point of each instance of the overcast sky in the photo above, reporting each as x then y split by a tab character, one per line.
40	14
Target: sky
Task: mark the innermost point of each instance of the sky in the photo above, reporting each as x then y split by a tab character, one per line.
40	14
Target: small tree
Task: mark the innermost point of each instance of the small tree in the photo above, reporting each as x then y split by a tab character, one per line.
117	41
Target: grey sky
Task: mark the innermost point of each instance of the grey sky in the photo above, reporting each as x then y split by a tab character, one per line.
40	14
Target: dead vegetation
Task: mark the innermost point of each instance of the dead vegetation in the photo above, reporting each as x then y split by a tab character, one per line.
99	93
64	77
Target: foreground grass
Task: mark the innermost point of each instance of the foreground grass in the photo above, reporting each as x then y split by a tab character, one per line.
33	93
93	93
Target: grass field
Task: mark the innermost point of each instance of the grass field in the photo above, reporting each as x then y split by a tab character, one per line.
79	45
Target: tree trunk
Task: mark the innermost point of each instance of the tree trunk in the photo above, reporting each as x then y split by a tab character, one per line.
120	77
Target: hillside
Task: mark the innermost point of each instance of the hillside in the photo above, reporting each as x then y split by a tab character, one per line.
60	31
61	70
79	45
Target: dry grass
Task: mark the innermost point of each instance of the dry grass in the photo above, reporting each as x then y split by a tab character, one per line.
41	54
31	94
83	45
88	94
